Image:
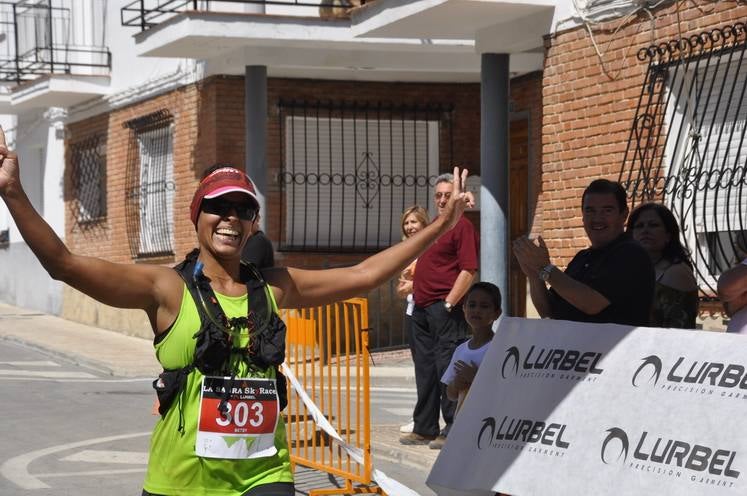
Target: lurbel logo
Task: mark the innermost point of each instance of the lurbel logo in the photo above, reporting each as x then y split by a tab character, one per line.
542	437
615	434
688	375
664	456
512	355
651	362
487	423
551	363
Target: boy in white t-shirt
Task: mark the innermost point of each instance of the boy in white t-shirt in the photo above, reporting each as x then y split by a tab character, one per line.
482	307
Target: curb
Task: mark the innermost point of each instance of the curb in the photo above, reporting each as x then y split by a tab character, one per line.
71	358
385	445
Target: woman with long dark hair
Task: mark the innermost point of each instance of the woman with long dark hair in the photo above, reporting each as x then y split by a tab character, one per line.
676	294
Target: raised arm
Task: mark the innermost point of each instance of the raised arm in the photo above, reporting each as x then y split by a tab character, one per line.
124	286
296	288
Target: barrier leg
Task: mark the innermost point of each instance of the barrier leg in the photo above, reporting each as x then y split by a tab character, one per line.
348	489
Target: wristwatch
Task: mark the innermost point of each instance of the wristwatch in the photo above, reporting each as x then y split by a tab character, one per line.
448	306
544	274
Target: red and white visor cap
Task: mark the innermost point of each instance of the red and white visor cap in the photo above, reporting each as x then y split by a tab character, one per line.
221	182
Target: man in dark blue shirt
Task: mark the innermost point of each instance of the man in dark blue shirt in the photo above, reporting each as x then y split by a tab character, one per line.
610	282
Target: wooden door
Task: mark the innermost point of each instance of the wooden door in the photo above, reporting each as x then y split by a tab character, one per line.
518	209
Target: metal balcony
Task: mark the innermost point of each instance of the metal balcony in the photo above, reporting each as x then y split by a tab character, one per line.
42	38
145	14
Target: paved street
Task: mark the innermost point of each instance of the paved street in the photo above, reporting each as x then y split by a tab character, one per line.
70	430
73	429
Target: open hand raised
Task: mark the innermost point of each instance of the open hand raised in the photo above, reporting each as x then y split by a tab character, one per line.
8	165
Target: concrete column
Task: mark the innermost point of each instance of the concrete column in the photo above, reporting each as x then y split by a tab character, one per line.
53	165
494	126
255	119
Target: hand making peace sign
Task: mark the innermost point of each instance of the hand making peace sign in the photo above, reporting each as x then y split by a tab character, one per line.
459	200
8	165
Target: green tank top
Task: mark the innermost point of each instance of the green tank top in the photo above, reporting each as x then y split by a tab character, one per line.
173	466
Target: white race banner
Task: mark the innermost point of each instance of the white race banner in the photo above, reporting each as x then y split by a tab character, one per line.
569	408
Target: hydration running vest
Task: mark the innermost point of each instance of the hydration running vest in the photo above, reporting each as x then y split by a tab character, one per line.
214	345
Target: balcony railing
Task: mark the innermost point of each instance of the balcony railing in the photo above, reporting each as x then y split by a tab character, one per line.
145	14
41	38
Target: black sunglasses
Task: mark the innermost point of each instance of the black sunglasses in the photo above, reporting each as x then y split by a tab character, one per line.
222	208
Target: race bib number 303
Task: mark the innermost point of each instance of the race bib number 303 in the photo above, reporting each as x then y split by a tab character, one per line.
246	426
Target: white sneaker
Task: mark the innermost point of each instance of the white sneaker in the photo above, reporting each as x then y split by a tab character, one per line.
407	428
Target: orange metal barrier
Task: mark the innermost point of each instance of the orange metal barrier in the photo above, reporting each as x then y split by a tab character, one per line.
327	350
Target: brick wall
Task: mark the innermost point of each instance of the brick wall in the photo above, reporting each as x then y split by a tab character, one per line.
588	111
108	239
526	99
209	128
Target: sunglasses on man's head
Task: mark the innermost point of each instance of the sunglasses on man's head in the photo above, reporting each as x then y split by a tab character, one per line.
222	208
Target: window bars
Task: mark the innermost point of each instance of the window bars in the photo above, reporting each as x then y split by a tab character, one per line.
350	169
149	183
88	161
687	146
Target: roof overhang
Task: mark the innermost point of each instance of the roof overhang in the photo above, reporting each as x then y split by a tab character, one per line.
203	35
56	90
494	25
313	47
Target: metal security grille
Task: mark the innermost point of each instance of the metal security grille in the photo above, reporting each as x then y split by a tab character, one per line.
88	160
687	145
149	194
350	169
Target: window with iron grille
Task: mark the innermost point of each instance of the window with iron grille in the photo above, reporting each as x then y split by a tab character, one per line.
88	160
722	251
349	170
150	186
688	147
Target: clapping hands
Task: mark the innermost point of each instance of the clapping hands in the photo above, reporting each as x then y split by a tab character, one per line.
532	257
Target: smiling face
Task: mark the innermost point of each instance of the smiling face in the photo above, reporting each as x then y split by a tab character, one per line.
224	234
649	230
411	225
603	220
442	195
480	310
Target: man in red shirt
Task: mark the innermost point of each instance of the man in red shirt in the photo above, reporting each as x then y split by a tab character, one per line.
445	272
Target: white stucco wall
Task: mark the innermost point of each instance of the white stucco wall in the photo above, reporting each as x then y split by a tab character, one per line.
23	281
38	137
